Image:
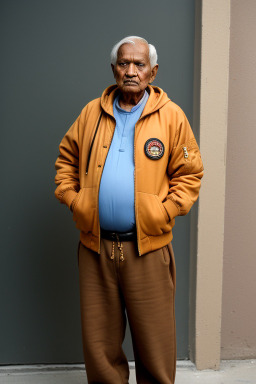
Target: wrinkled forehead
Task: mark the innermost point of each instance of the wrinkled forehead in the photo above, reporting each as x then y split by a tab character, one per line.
137	51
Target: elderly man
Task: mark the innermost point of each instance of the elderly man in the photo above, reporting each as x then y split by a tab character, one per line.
127	167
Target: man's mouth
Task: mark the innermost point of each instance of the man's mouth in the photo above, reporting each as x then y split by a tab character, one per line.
130	82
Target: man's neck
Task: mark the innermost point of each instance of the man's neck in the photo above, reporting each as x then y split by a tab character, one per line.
127	102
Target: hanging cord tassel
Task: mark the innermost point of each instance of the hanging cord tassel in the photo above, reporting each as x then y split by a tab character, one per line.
121	250
90	150
120	247
112	257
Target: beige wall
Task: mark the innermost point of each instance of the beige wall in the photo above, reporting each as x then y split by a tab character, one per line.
239	273
213	77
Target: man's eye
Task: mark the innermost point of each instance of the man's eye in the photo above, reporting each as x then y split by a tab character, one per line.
140	65
122	64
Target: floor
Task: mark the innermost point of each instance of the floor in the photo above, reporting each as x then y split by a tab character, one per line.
231	372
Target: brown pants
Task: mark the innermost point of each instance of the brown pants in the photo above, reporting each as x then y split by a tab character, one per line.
144	287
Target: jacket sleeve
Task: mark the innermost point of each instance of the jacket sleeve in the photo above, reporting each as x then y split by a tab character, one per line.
67	166
185	170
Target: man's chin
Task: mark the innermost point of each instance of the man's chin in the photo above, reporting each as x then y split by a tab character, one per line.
134	88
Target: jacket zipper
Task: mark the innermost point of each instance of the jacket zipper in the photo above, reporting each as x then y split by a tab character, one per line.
90	150
135	205
99	190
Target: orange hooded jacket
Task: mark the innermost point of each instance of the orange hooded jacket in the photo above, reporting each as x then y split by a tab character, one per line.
164	187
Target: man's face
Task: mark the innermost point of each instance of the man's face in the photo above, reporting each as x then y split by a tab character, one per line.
132	71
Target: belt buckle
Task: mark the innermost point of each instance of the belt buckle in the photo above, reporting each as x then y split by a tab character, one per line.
113	236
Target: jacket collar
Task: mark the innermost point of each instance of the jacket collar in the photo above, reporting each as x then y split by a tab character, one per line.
157	99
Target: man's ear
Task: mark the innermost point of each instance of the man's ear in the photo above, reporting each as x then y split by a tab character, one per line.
113	69
153	73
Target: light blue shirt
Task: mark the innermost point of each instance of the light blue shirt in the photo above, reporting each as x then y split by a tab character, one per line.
116	195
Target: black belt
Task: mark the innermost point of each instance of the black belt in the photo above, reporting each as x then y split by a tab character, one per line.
118	236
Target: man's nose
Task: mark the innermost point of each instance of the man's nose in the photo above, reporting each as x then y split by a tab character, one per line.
131	70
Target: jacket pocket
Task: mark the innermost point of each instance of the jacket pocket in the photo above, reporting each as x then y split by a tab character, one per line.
84	209
153	218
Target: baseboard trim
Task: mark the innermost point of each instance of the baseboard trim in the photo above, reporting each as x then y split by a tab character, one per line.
7	369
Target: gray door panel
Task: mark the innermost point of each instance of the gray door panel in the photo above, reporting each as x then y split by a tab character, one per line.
55	59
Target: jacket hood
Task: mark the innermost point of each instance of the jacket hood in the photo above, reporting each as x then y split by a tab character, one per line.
157	99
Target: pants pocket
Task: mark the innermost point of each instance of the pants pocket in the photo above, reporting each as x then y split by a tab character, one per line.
168	260
172	266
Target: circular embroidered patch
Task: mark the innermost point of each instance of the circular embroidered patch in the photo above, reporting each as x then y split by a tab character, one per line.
154	149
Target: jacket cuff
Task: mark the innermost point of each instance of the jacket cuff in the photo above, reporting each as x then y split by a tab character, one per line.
68	197
171	208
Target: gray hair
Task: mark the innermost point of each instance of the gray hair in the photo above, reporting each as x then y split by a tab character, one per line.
130	40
